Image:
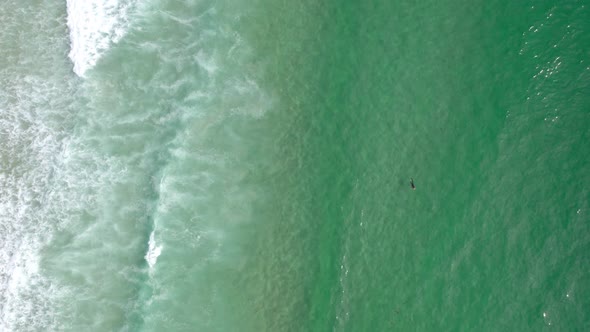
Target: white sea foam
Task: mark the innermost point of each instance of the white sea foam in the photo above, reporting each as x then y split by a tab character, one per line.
153	251
44	184
25	219
207	62
94	26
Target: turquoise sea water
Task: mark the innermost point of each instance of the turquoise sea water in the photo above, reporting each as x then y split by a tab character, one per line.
232	166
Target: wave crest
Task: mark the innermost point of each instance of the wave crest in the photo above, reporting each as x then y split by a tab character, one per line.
94	26
153	251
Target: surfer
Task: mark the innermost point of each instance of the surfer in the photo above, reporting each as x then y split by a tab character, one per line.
412	184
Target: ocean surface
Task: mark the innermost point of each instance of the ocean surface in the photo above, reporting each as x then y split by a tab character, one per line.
224	165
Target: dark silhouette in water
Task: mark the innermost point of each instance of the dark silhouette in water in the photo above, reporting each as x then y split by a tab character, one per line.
412	184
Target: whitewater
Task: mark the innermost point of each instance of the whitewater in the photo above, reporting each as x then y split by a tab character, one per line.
110	167
50	177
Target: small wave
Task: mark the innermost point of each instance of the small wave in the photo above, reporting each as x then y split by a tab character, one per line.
94	26
153	251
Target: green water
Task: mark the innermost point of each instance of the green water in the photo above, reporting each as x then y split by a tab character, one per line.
494	236
260	154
